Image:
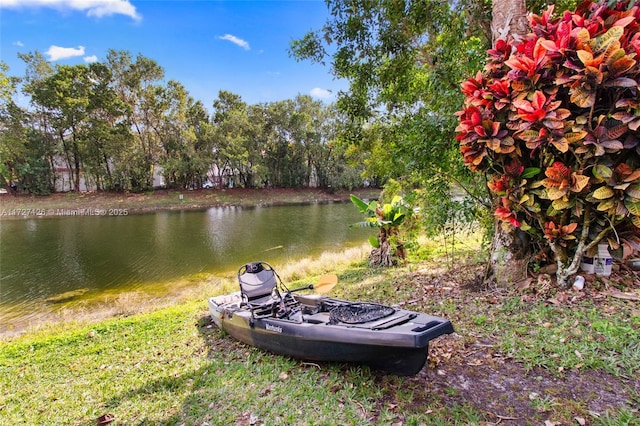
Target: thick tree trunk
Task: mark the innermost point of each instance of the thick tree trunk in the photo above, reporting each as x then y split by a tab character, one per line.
510	255
510	248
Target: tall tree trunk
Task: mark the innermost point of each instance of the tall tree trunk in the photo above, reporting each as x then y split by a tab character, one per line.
508	20
510	251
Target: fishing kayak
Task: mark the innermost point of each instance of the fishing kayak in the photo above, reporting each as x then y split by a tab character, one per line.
315	327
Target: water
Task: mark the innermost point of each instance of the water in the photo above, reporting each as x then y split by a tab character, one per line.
45	259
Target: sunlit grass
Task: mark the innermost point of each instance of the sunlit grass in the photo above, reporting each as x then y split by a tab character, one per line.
166	364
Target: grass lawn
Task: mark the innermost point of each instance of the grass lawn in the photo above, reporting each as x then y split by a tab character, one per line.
517	357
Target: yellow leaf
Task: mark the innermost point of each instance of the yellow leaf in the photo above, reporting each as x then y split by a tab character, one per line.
561	145
583	35
555	193
575	136
561	204
603	193
606	205
585	56
633	205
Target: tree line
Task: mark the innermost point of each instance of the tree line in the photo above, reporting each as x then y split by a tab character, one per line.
113	125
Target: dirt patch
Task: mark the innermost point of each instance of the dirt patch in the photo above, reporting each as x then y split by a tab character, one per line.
505	391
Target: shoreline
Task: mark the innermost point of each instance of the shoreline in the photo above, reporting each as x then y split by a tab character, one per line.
14	207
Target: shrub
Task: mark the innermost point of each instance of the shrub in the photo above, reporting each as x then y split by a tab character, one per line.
554	122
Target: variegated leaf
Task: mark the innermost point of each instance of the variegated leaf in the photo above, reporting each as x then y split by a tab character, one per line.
561	204
622	186
633	205
634	176
603	193
602	172
621	82
636	221
582	97
613	54
579	182
561	145
583	35
555	193
612	146
606	205
535	208
585	56
602	42
617	131
573	137
634	191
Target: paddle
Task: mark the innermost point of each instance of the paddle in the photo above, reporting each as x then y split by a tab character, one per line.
323	286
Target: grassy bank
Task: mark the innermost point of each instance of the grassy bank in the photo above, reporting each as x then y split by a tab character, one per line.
517	357
125	203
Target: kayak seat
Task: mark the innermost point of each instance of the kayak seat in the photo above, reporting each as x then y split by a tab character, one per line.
257	283
259	290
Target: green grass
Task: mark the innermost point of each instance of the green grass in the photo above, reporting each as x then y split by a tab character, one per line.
169	367
172	367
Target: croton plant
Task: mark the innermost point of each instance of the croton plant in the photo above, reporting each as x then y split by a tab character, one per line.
554	121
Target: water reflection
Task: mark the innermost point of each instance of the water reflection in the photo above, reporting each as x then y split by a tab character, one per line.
47	257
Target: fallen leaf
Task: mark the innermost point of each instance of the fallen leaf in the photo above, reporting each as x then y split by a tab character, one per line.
581	421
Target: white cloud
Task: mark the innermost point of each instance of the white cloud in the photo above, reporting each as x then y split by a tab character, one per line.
97	8
90	59
56	52
317	92
18	43
235	40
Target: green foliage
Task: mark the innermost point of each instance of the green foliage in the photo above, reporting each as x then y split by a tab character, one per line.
404	62
554	123
388	219
118	125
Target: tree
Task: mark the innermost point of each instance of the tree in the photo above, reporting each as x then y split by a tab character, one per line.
237	130
555	124
404	61
39	162
137	84
510	248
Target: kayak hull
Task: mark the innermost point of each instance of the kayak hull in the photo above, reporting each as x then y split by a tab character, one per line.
397	343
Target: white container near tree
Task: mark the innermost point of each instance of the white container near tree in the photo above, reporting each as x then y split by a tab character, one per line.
603	261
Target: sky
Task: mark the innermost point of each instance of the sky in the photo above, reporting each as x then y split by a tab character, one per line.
207	45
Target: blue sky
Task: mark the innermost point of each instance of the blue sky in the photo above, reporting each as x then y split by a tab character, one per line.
240	46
